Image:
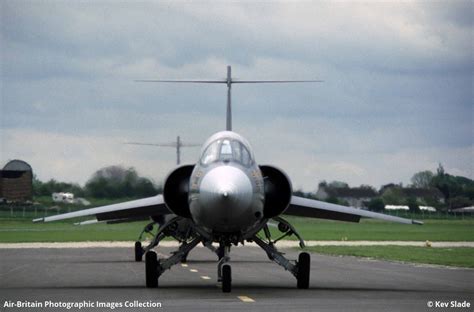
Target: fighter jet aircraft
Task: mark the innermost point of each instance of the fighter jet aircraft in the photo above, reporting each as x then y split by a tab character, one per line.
225	198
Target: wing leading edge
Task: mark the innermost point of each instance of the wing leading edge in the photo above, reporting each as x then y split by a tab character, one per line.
311	208
135	209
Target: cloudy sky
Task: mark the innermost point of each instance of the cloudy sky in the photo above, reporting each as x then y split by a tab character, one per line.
397	96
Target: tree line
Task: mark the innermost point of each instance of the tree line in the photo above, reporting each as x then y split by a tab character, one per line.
109	182
440	190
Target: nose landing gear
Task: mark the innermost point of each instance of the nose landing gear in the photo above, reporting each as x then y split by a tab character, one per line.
226	278
224	271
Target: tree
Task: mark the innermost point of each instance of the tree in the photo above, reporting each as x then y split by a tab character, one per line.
412	204
52	186
422	179
393	196
338	184
118	182
376	204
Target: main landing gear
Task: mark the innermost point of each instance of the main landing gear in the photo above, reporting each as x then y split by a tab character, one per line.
300	269
154	267
167	229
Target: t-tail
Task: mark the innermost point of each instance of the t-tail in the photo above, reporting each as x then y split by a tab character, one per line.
228	81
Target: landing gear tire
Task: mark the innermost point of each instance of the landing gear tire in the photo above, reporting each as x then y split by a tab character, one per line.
151	269
184	258
304	264
226	278
138	251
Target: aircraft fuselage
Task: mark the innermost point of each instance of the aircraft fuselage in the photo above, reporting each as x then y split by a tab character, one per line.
226	191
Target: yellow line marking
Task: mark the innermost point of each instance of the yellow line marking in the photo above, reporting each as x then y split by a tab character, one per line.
193	270
184	265
245	299
205	277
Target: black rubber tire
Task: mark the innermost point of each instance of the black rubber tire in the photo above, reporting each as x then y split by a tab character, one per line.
226	278
304	269
151	269
138	252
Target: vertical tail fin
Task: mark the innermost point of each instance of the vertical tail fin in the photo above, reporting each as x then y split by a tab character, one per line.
229	81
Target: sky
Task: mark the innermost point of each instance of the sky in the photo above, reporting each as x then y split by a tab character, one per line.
397	96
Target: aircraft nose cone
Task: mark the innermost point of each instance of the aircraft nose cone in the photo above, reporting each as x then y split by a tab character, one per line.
225	192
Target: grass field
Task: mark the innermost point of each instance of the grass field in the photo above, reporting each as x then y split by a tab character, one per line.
460	257
23	230
369	229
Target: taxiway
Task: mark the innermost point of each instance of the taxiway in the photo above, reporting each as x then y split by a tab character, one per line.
337	283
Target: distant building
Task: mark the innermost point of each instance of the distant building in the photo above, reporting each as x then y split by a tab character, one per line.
404	207
421	195
396	207
355	196
16	181
465	209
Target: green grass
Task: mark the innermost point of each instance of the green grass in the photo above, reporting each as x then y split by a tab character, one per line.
367	229
26	231
23	230
460	257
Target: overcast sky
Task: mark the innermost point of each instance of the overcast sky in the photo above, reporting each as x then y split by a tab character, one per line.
397	96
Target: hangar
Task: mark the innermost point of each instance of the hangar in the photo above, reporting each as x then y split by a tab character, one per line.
16	181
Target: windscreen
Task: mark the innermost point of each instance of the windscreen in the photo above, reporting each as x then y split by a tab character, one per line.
226	150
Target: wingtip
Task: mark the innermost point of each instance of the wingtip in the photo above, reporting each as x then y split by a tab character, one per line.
38	220
416	222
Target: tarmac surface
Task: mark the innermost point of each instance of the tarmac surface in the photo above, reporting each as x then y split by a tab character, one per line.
109	276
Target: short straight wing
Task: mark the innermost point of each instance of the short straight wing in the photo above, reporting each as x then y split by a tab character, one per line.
135	209
311	208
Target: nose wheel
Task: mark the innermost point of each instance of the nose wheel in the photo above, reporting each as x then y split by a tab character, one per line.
226	278
224	271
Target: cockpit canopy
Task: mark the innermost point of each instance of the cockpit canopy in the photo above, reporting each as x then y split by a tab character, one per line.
226	149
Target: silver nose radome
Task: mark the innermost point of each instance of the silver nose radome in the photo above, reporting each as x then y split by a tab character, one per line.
226	193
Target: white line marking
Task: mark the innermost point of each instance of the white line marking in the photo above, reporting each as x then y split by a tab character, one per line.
184	265
193	270
204	277
245	299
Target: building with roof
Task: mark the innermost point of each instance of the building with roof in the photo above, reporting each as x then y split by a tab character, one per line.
16	181
355	196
